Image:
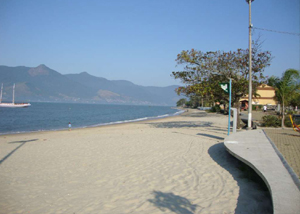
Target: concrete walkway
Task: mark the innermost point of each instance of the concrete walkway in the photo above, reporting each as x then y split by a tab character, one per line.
256	150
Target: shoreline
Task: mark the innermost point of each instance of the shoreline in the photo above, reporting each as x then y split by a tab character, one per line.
181	111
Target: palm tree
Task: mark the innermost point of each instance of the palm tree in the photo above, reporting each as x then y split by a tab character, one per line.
285	87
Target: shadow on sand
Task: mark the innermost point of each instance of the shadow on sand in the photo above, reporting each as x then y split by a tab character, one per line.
173	203
196	114
211	136
200	114
254	196
22	143
181	124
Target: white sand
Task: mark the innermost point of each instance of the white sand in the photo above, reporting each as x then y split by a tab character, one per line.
172	165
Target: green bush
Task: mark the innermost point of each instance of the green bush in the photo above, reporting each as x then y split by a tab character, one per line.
215	108
287	121
290	112
271	121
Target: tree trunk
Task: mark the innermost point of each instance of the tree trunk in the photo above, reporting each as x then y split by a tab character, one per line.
237	105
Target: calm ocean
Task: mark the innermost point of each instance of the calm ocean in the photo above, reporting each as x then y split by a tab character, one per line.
56	116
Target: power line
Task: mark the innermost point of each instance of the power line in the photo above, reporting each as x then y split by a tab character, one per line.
276	31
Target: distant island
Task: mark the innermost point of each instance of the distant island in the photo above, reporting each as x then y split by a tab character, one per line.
43	84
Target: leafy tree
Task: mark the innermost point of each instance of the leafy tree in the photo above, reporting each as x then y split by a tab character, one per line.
195	101
296	100
181	102
204	71
188	104
285	88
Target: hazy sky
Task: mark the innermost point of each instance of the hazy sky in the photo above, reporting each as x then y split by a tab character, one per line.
138	40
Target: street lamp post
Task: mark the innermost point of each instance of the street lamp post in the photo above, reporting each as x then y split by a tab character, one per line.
229	112
228	89
250	70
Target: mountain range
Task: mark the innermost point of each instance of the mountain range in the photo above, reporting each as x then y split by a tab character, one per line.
43	84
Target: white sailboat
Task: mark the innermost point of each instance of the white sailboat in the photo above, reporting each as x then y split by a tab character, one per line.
13	104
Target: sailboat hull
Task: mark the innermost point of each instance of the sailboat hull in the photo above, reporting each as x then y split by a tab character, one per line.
14	105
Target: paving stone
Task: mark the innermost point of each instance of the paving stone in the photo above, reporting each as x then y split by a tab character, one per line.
287	142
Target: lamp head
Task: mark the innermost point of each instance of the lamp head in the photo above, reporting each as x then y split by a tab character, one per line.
249	0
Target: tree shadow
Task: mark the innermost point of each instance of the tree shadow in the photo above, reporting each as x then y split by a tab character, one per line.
181	124
196	114
22	143
254	196
292	135
174	203
211	136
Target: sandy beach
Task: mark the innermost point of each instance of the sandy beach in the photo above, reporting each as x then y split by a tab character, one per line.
172	165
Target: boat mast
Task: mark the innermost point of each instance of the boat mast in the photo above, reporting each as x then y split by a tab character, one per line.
1	93
13	101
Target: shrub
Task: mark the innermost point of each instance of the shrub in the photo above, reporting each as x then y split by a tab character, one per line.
287	121
290	112
271	121
215	108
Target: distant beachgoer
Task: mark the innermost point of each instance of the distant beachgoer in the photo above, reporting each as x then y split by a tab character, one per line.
265	108
70	126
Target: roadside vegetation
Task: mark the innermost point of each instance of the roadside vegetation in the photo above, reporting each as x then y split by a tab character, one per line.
203	71
286	90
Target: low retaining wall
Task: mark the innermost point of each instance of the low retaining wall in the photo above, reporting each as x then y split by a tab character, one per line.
254	149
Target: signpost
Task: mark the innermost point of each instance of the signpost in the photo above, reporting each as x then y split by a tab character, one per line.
227	88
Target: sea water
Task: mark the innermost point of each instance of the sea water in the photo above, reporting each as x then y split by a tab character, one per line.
56	116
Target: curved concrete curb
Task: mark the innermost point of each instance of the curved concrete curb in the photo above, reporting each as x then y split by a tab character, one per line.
254	149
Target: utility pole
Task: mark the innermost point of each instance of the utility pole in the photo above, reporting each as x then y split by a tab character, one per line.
250	71
229	112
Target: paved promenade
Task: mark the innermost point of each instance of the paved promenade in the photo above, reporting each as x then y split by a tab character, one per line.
287	142
254	148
